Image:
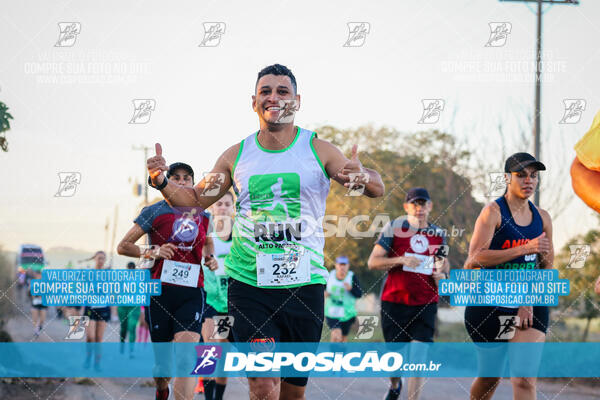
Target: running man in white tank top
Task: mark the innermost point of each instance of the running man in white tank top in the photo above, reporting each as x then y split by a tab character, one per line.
281	175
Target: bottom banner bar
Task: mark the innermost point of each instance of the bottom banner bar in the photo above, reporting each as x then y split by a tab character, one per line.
300	359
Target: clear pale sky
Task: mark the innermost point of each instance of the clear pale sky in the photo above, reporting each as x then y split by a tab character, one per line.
71	105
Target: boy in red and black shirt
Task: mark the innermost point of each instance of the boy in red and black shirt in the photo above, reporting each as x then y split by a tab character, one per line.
409	249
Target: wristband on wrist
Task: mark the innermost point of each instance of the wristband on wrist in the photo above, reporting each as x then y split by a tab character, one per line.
159	187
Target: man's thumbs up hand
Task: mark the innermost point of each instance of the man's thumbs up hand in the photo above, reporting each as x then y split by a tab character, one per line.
156	166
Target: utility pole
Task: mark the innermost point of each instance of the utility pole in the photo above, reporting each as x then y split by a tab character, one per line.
145	184
538	83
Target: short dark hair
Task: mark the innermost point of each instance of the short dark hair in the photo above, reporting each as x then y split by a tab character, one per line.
277	69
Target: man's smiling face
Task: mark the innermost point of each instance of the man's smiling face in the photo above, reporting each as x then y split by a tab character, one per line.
270	89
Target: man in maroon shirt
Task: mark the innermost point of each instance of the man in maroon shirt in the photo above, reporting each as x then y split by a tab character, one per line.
407	249
179	238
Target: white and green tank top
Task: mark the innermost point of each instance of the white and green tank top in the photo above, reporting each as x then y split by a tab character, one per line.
215	282
281	196
340	303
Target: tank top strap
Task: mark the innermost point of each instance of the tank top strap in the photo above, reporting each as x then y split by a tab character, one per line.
537	218
304	139
505	213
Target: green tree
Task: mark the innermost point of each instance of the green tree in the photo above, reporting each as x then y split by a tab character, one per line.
429	159
581	302
5	118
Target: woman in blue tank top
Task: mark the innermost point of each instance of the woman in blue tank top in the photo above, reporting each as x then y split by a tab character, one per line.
511	233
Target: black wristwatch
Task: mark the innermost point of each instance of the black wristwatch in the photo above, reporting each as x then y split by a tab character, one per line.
159	187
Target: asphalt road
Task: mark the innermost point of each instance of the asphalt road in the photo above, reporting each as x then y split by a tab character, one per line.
323	388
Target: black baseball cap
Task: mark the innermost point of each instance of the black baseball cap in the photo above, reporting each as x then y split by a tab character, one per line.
518	161
416	194
179	165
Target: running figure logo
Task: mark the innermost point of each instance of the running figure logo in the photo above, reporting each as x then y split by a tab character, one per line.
439	250
223	324
357	34
212	34
579	252
573	110
358	181
432	109
68	34
287	109
213	183
77	326
439	253
207	359
185	229
498	183
499	32
508	324
366	326
68	183
142	110
275	196
148	254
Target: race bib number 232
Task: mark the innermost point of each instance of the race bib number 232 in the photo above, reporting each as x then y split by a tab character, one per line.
282	269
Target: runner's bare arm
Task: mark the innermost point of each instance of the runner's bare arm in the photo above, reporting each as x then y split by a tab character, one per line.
179	196
338	167
440	270
547	259
208	252
127	246
209	246
379	260
479	254
445	266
